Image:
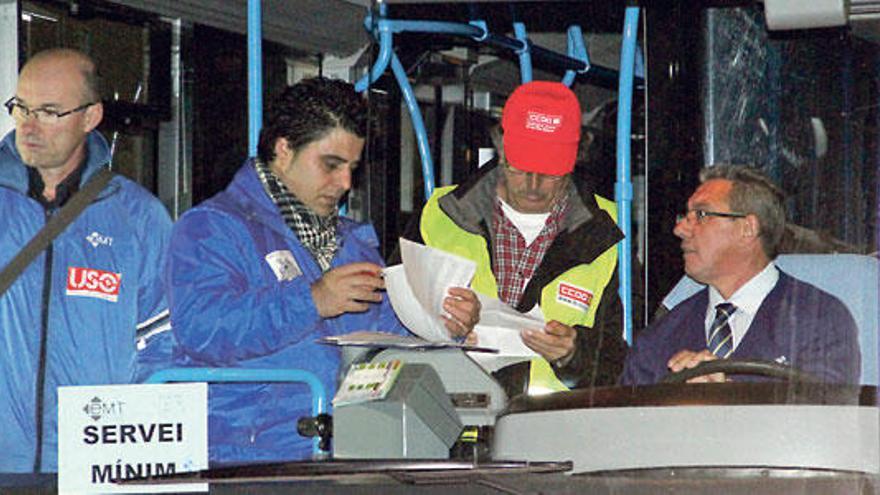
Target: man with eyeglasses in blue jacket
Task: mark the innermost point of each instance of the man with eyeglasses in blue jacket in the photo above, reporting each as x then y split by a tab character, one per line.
90	308
750	309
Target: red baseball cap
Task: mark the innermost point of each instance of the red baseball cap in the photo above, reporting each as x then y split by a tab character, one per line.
542	128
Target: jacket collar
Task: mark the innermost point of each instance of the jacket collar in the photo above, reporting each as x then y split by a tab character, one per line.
588	230
248	192
13	172
470	207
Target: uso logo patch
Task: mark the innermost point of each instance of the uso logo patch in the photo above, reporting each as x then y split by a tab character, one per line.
574	296
90	282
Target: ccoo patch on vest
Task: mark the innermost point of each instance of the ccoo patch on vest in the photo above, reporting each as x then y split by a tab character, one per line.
574	296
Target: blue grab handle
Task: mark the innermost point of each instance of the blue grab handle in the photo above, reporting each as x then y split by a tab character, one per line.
250	375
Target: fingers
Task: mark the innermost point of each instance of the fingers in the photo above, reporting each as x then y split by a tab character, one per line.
713	378
556	341
465	302
366	274
463	311
365	294
361	266
686	359
463	294
560	330
454	327
348	289
363	273
353	306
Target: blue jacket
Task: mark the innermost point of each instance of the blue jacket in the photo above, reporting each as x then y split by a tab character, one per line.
89	328
229	309
797	323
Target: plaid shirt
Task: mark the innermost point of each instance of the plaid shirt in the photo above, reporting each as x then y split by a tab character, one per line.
514	263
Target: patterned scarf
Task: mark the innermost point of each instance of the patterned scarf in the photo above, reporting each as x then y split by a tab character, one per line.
317	234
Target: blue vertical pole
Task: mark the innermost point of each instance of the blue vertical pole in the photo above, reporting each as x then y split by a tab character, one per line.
255	75
418	124
623	189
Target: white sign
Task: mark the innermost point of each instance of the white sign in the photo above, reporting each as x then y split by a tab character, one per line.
109	433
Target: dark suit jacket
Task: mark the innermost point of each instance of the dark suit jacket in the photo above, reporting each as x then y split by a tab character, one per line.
797	323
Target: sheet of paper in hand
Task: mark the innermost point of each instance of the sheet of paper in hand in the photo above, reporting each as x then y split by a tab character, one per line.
500	327
418	286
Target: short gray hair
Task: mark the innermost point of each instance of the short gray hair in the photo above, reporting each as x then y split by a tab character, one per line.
754	193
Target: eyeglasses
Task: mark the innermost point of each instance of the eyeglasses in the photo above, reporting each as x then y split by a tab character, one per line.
515	172
20	112
701	215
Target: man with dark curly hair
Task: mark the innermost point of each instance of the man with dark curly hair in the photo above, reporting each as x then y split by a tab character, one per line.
263	269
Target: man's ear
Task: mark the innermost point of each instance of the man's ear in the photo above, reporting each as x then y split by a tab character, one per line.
282	149
94	114
751	226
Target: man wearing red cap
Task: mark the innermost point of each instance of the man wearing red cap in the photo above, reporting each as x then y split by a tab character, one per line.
542	237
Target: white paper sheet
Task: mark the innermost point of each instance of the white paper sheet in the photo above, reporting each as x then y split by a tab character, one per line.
500	327
418	286
417	289
408	308
431	272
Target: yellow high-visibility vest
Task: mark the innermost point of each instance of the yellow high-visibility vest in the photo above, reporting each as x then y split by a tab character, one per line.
571	298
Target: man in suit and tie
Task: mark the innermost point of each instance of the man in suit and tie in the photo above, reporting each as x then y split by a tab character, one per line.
750	309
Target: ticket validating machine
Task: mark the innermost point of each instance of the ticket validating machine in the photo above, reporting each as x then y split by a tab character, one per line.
436	396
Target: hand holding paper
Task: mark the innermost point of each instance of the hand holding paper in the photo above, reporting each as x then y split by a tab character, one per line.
500	328
554	343
462	311
428	276
432	272
419	287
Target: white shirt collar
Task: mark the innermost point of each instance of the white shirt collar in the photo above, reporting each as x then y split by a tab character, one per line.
529	225
747	299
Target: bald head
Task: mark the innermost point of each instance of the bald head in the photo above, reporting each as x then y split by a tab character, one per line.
60	81
68	63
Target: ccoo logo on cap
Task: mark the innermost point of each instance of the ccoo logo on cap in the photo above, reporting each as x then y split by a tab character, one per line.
542	128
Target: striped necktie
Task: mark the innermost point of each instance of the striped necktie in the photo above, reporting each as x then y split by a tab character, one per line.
720	341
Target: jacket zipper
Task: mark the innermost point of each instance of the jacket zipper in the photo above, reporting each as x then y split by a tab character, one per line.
41	364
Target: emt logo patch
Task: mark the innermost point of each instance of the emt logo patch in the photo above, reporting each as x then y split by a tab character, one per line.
283	265
96	239
574	296
89	282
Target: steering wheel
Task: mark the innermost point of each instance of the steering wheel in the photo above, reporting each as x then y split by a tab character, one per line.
757	367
